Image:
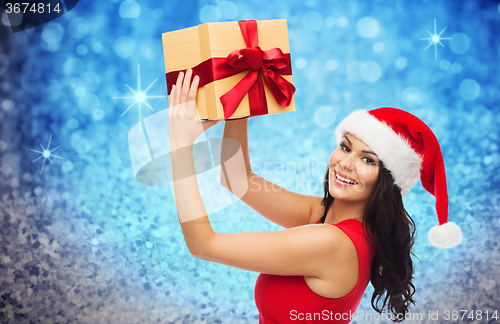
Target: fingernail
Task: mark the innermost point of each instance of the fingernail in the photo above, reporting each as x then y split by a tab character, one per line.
189	70
196	78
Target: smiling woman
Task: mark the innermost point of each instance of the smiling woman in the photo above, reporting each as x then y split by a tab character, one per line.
332	246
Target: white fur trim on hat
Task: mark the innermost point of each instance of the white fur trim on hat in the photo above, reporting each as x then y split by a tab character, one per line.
445	236
394	151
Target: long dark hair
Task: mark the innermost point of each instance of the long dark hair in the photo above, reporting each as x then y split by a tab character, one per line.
393	231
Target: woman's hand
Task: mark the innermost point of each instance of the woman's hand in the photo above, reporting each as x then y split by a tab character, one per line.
184	125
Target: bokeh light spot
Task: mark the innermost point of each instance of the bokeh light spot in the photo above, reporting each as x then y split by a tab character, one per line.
67	166
371	71
97	47
8	105
78	27
342	21
300	63
368	27
469	89
482	117
228	10
88	103
412	97
331	65
98	114
73	66
81	49
73	123
150	54
80	91
444	65
90	80
325	116
130	9
210	13
401	63
459	43
124	46
52	33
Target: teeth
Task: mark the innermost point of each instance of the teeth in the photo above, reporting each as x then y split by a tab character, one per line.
344	179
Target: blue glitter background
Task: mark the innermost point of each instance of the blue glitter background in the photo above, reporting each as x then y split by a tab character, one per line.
83	242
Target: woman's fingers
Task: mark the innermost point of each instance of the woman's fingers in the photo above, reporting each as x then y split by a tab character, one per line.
194	89
184	91
171	97
178	88
185	86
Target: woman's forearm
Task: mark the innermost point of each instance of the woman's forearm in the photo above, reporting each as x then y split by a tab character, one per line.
190	208
237	130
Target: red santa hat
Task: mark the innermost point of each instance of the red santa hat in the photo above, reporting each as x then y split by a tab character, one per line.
409	150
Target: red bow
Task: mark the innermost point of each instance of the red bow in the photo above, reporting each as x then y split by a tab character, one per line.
272	64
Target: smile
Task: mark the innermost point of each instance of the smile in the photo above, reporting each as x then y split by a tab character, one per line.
345	180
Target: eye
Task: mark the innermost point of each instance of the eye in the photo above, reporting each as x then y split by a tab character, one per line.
345	148
369	161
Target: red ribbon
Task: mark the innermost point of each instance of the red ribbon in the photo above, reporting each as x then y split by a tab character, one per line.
271	64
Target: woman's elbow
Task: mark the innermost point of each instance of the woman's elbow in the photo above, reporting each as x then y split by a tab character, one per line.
196	252
200	254
199	251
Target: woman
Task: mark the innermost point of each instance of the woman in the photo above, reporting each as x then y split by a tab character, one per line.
313	271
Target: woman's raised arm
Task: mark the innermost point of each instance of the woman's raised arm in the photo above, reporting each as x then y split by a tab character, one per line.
280	206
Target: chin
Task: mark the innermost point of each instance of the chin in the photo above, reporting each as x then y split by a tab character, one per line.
352	195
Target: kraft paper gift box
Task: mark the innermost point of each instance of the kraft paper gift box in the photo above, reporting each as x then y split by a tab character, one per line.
243	66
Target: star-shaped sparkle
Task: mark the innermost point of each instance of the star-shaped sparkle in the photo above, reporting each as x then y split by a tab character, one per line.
139	95
46	154
93	243
435	39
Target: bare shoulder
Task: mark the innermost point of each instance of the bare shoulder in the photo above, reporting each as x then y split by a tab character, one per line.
340	241
339	238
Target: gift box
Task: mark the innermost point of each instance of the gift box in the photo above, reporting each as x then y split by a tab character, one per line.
244	67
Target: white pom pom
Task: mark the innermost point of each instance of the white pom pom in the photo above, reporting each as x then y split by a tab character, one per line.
445	236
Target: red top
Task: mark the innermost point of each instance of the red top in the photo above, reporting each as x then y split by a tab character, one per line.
288	299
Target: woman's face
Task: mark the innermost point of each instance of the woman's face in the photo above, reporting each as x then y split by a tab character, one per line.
353	170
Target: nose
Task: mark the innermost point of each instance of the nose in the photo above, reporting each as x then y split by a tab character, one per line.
347	163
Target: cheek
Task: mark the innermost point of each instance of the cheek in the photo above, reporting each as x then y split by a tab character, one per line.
368	174
335	158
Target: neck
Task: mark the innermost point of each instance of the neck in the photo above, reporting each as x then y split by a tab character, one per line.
342	210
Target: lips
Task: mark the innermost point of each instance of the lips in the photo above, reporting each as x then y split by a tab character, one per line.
344	179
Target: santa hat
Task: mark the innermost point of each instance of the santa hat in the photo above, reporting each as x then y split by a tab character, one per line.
409	150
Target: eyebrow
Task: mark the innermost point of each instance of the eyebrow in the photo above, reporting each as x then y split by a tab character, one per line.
364	151
347	138
369	152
